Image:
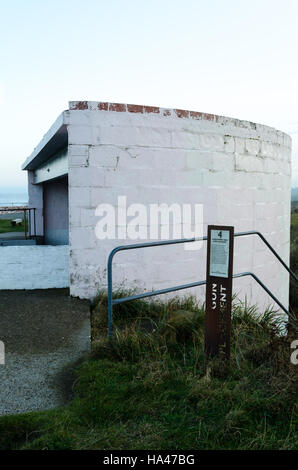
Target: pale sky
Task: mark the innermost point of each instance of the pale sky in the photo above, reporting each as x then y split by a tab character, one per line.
236	58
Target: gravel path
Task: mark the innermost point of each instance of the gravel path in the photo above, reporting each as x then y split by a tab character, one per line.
45	333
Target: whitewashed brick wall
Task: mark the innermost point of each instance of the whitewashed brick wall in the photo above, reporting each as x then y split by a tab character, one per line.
34	267
239	171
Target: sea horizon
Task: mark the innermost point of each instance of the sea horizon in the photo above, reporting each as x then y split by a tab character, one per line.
13	196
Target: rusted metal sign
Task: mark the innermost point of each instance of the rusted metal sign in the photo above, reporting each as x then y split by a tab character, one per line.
219	289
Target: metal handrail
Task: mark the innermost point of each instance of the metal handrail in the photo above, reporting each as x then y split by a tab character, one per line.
248	273
112	302
201	283
132	247
240	234
24	210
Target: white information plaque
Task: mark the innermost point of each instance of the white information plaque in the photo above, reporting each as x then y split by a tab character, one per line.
219	253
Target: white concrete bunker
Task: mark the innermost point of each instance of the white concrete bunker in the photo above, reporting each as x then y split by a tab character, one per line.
95	152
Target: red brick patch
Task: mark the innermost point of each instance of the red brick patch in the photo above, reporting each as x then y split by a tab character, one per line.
81	105
196	115
209	117
119	107
135	108
151	109
103	106
181	113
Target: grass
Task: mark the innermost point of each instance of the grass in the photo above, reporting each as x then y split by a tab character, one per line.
5	226
153	388
294	259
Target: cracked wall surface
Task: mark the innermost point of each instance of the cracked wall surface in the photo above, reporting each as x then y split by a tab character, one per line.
240	171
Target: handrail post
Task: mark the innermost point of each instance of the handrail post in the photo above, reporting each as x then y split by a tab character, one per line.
110	294
34	214
25	224
29	223
172	242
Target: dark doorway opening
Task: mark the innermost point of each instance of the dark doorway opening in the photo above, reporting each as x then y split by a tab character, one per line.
55	211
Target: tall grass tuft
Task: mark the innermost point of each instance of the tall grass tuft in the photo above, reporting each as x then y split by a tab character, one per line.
152	387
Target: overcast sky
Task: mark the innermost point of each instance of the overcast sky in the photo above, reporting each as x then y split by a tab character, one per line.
232	57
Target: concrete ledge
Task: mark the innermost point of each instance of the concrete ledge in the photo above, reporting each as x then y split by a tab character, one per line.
34	267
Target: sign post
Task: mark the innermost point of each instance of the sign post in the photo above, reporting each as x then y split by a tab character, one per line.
219	289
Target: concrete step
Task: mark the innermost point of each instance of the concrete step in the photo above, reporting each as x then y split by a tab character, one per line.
16	242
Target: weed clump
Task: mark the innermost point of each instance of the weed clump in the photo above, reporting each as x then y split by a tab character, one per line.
152	387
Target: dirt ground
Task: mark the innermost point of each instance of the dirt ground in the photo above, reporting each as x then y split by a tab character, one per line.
45	333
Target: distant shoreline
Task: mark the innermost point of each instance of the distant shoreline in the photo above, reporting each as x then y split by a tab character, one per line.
13	198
